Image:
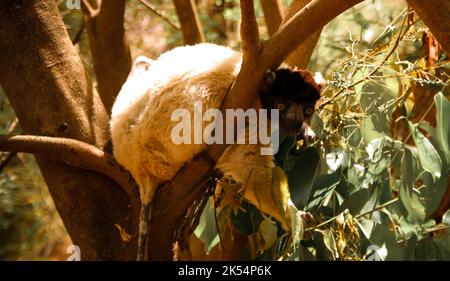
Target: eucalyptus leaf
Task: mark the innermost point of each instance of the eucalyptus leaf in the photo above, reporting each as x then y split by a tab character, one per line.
268	231
302	176
247	219
429	158
206	230
409	197
323	188
356	201
296	224
443	124
446	218
382	240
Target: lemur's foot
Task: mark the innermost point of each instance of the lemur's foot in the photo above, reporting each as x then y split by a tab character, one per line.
308	222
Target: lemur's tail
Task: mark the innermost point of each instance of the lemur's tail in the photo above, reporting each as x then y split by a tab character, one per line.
144	221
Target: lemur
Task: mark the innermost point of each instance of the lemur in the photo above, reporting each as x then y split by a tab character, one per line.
141	120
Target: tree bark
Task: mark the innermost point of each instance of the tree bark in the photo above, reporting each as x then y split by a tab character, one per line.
51	94
110	51
190	23
76	154
273	11
300	57
435	15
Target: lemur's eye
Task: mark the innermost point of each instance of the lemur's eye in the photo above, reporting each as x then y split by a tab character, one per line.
309	111
280	106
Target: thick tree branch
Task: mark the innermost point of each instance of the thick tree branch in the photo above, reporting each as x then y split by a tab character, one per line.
298	28
435	14
109	48
302	54
249	32
190	23
74	153
273	11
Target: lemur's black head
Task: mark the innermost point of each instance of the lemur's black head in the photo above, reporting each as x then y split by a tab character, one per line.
294	93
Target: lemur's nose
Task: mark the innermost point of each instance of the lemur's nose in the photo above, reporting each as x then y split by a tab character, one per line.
296	125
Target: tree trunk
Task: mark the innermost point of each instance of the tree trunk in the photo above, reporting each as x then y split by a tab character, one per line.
190	23
51	94
109	48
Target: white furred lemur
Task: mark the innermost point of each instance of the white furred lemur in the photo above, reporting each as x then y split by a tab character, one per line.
141	123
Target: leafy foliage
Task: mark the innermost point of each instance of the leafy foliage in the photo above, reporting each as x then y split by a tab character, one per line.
371	191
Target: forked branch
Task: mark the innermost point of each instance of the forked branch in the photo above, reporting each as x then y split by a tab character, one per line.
74	153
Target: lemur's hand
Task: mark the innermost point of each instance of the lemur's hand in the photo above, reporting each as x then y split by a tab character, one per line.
307	135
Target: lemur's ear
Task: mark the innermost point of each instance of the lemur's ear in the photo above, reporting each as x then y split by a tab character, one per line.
265	96
315	81
320	81
268	79
141	64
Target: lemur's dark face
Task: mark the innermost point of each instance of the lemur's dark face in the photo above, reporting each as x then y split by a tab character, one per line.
294	93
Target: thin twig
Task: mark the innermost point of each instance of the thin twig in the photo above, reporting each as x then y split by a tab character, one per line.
397	42
154	10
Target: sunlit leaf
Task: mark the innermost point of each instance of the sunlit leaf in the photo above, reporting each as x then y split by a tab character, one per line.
296	223
429	158
381	238
356	201
268	234
409	197
446	218
443	124
206	230
323	187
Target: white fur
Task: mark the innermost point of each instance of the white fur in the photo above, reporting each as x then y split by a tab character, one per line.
140	121
141	126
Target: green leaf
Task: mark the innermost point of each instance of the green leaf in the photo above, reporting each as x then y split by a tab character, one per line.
286	145
247	219
410	249
428	156
323	187
356	201
206	230
443	124
446	218
408	196
296	223
268	231
385	243
302	176
426	250
330	242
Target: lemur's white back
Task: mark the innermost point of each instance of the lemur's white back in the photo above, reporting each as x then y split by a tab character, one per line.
140	121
